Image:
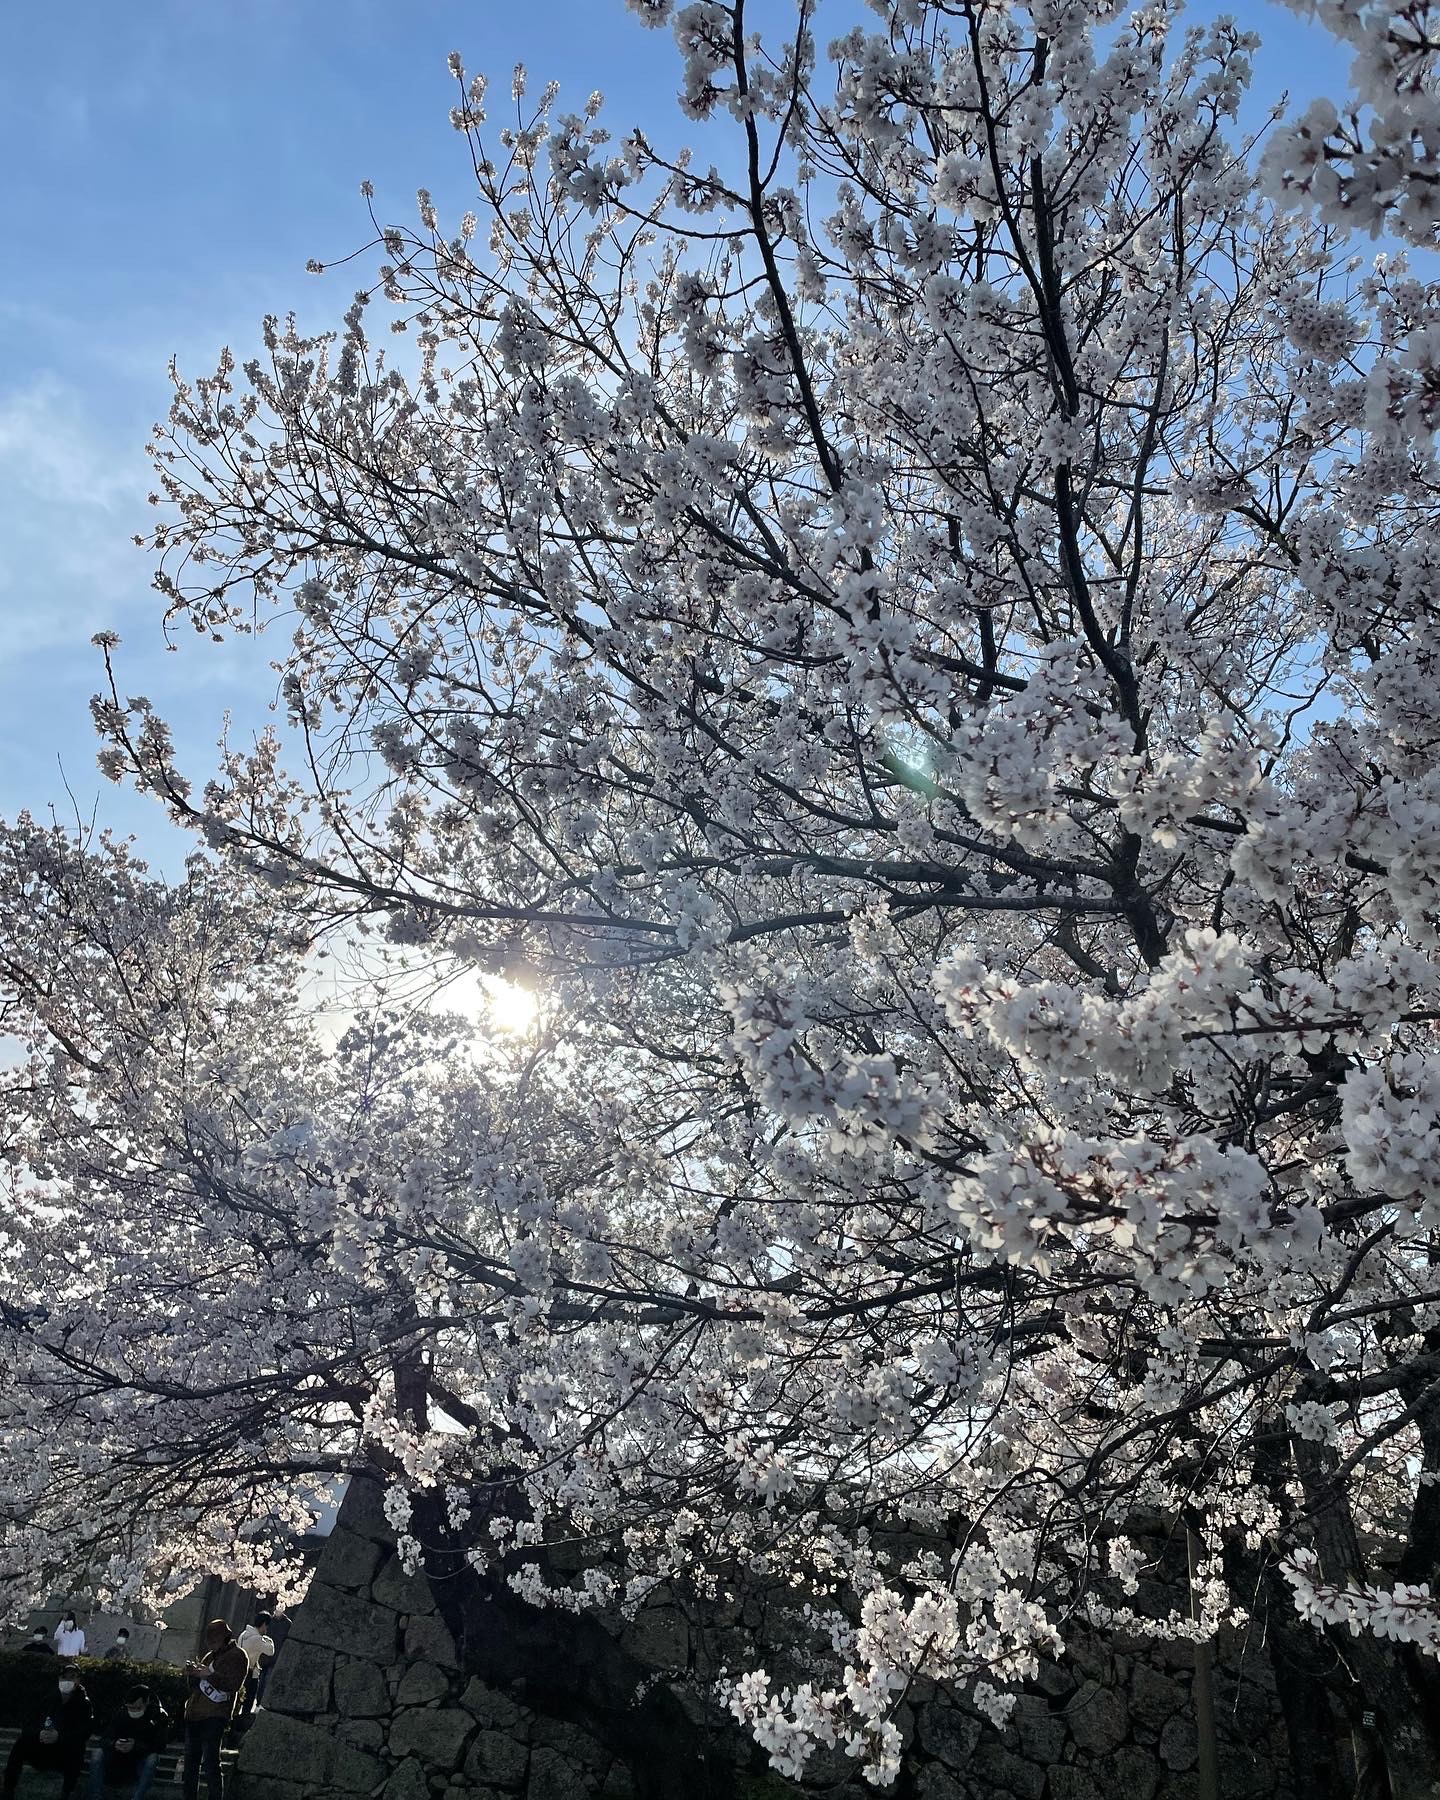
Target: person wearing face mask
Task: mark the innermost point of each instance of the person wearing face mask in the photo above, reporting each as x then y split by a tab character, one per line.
119	1651
69	1638
129	1750
39	1644
55	1737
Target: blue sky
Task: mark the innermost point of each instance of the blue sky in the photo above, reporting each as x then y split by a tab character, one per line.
170	166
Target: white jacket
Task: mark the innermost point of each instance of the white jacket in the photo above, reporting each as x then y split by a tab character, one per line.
255	1644
69	1641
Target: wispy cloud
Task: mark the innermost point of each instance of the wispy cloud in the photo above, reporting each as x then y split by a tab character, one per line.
70	502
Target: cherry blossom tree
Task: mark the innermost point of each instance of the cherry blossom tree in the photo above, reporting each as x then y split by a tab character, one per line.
917	636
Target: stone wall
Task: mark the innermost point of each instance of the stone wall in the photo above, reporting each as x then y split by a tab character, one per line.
370	1696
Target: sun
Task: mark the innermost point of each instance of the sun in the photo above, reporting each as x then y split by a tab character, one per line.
510	1006
494	1003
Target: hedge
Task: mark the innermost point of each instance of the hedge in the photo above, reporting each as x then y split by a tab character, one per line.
26	1679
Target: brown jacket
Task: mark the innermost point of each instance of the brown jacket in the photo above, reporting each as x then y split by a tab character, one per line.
225	1670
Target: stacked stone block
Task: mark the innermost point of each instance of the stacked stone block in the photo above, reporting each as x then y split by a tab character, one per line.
368	1698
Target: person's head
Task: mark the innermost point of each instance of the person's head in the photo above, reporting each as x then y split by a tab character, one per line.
122	1637
217	1635
38	1634
68	1620
66	1682
261	1621
136	1702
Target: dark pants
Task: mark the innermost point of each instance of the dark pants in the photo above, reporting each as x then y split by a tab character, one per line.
132	1772
69	1759
249	1698
202	1747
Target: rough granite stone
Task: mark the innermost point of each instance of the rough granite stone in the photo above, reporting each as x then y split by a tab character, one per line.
495	1709
1039	1732
348	1560
660	1638
408	1783
947	1734
997	1770
496	1758
1056	1679
300	1679
1178	1748
1097	1718
363	1510
308	1755
360	1691
553	1778
618	1784
436	1734
1092	1658
369	1734
401	1592
570	1741
1072	1784
345	1622
429	1639
937	1783
1129	1774
421	1683
1153	1697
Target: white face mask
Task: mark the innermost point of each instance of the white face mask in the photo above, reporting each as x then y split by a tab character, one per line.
66	1688
136	1712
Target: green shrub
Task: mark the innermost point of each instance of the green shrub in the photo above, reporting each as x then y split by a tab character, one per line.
25	1680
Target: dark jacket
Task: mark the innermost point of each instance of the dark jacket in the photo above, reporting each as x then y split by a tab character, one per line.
224	1673
149	1732
39	1647
71	1717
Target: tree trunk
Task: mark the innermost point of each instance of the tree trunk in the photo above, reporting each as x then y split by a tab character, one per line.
1402	1736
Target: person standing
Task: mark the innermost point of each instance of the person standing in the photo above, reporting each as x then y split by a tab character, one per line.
130	1748
54	1738
119	1651
216	1681
259	1648
279	1629
39	1644
69	1638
